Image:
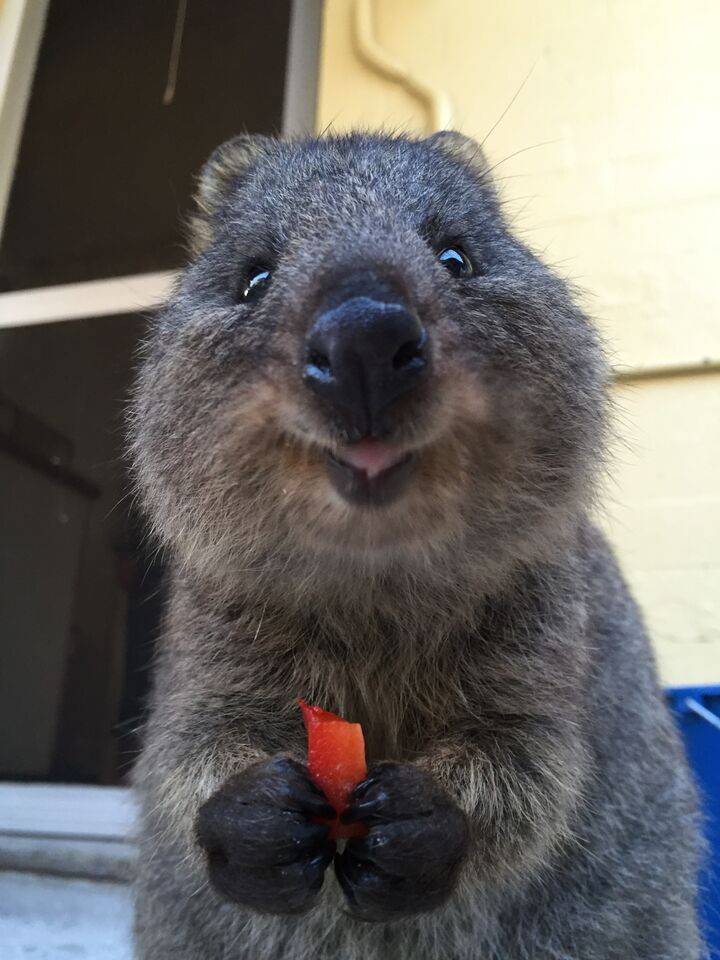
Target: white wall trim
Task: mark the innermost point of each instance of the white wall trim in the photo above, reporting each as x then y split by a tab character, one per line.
94	298
301	70
21	28
57	810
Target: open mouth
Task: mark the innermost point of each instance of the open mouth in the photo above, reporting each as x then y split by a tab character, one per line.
370	473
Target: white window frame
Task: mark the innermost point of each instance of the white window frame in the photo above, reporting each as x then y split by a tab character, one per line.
62	830
21	28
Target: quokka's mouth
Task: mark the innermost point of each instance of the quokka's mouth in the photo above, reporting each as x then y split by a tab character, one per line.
370	473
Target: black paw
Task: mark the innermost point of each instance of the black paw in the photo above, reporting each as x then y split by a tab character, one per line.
410	859
263	849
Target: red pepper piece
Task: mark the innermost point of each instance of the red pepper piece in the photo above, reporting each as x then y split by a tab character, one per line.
336	761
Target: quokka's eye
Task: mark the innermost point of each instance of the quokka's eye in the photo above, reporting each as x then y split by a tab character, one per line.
256	284
456	261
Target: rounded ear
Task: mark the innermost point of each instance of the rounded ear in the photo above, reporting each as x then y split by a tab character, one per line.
225	166
460	147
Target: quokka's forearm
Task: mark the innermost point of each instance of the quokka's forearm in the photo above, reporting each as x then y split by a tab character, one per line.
172	786
521	793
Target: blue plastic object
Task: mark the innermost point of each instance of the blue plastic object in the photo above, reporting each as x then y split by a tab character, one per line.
697	710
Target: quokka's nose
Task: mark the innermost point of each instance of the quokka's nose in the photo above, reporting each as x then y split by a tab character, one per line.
361	356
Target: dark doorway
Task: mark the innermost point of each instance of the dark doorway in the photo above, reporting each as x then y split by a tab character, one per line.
112	142
110	148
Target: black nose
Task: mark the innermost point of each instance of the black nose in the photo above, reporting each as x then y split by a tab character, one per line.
361	356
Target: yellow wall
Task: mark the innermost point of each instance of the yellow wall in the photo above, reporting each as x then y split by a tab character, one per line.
663	514
608	160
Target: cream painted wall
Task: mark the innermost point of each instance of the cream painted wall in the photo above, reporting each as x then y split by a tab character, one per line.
662	511
608	161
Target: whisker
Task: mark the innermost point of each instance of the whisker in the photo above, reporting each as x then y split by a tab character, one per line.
509	106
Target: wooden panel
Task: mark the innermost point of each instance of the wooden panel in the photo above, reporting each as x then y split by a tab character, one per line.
62	555
42	526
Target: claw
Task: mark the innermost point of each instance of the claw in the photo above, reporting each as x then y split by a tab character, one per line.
325	857
315	867
344	882
299	792
311	805
361	789
365	809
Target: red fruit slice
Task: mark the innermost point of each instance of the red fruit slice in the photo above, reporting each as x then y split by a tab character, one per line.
336	761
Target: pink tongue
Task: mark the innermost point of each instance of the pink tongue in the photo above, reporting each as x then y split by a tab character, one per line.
372	456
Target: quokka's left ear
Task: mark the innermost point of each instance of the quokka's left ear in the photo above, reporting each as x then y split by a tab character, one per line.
463	148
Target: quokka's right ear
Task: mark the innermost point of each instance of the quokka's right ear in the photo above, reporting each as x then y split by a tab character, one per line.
222	171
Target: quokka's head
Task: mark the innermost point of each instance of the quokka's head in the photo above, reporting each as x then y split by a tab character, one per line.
362	368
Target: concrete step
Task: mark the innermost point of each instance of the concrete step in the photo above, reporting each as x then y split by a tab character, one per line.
62	918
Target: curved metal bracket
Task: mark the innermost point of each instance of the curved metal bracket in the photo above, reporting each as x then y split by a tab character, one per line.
436	103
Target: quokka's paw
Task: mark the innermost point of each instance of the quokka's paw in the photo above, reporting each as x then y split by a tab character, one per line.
411	857
263	849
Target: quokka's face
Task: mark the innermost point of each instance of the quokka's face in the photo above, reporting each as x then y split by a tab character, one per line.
362	364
